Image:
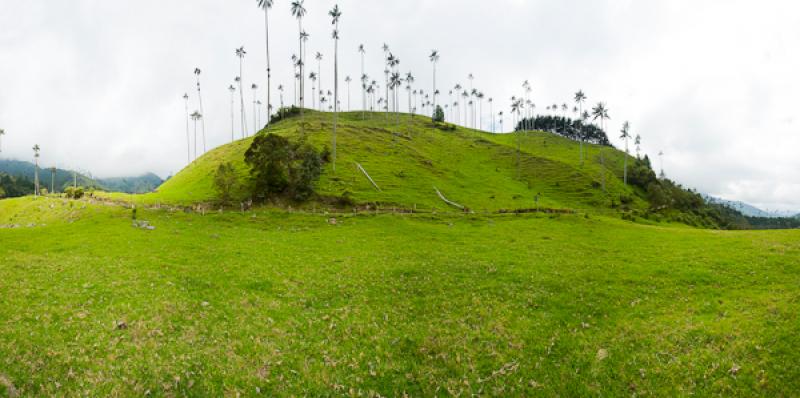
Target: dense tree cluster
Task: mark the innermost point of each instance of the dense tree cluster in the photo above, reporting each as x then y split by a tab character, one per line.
13	187
565	127
282	168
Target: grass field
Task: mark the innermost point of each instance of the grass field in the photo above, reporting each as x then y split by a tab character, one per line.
409	158
282	304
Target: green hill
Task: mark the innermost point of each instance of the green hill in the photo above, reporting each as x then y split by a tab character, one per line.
408	159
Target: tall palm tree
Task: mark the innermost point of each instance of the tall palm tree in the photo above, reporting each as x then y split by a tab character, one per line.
516	107
197	73
364	80
195	117
661	159
347	80
254	87
410	79
600	112
240	53
491	112
434	58
266	5
580	98
626	127
501	120
313	77
638	143
36	170
232	90
188	139
52	180
2	133
335	14
318	57
280	90
299	11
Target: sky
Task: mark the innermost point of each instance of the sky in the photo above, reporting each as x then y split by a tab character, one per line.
98	84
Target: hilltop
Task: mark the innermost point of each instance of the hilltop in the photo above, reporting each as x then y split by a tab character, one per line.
407	160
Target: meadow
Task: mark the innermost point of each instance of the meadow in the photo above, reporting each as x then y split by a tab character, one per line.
274	303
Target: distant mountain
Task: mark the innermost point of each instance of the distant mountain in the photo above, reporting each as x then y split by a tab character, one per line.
142	184
64	178
748	209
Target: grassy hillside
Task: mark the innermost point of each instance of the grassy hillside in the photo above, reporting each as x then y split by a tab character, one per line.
408	159
286	304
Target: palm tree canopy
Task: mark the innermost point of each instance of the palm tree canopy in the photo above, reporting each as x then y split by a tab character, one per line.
231	88
298	10
240	52
580	96
185	97
434	56
361	48
625	129
197	71
264	4
335	13
319	56
254	86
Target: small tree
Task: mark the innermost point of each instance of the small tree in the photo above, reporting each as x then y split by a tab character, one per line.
280	167
225	181
438	115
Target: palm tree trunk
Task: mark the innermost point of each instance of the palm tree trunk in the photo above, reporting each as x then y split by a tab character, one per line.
241	97
269	69
233	128
203	122
188	138
336	95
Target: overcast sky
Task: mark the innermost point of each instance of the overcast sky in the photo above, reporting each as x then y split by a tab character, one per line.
98	83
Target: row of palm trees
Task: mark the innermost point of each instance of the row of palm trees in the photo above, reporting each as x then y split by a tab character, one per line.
464	105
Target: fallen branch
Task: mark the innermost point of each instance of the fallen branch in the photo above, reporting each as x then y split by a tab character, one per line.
451	203
368	177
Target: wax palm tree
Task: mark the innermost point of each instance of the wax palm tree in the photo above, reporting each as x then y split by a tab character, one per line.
661	160
410	79
188	139
600	112
434	58
318	57
266	5
232	90
254	87
299	11
501	120
516	107
2	133
364	80
313	77
195	117
335	14
347	80
240	53
491	112
280	90
197	73
638	143
626	127
36	150
52	180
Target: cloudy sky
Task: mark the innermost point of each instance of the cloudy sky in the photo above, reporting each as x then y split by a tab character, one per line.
98	83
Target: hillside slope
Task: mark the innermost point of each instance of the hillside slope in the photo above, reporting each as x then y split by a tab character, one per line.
407	157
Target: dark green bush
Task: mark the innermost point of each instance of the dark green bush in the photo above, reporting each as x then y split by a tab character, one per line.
280	167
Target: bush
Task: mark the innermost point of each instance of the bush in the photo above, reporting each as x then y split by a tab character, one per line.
74	193
283	168
438	115
225	181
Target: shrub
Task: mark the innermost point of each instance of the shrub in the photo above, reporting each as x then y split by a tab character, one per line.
438	114
74	193
279	167
225	181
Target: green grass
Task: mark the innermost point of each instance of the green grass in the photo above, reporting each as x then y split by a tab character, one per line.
408	159
291	304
